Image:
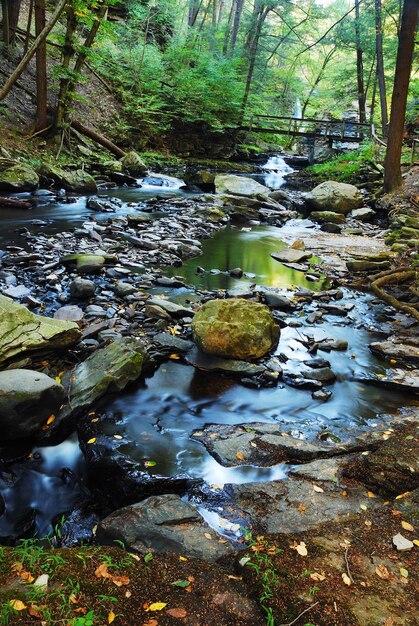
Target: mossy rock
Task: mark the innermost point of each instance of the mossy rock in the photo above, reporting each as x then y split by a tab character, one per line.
134	164
324	217
235	329
336	197
78	181
85	263
19	177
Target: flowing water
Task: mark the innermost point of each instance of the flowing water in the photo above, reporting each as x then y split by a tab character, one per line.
157	416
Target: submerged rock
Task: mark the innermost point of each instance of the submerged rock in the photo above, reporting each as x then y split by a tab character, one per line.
27	399
336	197
162	524
24	332
235	329
239	185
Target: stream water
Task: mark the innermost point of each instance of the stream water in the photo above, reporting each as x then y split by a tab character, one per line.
157	416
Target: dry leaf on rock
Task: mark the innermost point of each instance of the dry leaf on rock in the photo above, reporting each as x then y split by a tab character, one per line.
346	580
382	572
176	612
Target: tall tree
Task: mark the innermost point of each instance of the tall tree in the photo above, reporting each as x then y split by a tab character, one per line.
236	23
380	66
359	65
41	68
392	169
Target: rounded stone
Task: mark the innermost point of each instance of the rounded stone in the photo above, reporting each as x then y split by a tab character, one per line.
82	288
335	197
27	399
235	328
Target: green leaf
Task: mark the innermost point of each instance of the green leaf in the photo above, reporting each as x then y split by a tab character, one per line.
181	583
150	463
148	557
409	437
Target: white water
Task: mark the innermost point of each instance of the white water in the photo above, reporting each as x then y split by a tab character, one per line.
276	170
160	181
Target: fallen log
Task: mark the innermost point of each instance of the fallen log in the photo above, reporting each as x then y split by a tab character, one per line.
14	204
100	139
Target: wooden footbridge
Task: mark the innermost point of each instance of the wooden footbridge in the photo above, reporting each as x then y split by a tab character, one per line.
311	128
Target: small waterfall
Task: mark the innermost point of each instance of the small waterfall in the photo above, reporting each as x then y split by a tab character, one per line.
297	108
276	171
160	181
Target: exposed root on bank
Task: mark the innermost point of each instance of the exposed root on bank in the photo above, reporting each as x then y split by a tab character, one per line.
391	277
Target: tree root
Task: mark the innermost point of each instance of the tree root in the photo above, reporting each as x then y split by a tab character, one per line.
392	277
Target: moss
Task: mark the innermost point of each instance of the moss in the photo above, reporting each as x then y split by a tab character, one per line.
348	167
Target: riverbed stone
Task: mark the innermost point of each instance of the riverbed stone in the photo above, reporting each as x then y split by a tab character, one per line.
235	328
211	363
77	181
364	214
70	313
164	523
27	399
82	289
85	263
259	444
334	196
291	255
393	349
19	177
172	343
327	217
239	185
23	332
173	309
134	164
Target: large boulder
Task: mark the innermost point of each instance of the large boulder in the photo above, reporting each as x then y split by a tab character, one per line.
336	197
133	164
164	523
239	185
19	177
22	331
78	181
235	329
27	399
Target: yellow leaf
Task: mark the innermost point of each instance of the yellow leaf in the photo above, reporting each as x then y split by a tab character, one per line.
301	549
50	419
363	507
111	617
17	605
240	456
346	580
207	535
404	572
317	576
382	572
318	489
57	379
156	606
370	494
416	542
117	437
183	558
198	434
174	357
92	440
402	495
408	526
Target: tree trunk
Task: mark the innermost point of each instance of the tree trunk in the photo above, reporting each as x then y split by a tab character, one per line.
41	68
380	67
236	25
392	169
28	27
14	12
359	66
327	58
100	139
194	8
29	55
68	52
228	27
5	22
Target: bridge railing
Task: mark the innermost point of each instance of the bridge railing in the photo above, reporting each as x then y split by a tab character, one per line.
309	126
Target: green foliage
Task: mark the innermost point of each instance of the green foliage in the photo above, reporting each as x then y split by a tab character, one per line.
346	167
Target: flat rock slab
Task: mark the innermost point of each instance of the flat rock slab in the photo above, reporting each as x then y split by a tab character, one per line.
164	523
172	308
172	343
23	332
259	444
70	313
395	350
398	379
239	185
293	505
290	255
210	363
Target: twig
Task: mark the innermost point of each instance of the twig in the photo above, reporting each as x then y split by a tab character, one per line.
347	566
300	615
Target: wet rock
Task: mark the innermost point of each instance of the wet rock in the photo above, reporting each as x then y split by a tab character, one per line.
293	505
259	444
329	227
290	255
236	272
96	204
336	197
210	363
78	181
124	179
19	177
125	289
78	528
16	292
171	308
82	289
360	265
70	313
322	374
172	343
172	283
333	344
23	332
327	217
27	399
239	185
138	218
322	394
317	363
401	380
393	349
364	214
164	523
85	263
134	164
276	300
235	328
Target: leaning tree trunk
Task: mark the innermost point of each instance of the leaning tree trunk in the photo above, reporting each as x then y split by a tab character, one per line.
68	52
41	68
380	67
392	169
359	66
32	51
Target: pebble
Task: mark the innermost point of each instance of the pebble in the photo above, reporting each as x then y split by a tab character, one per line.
402	544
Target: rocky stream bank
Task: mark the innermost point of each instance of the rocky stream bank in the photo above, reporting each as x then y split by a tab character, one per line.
326	496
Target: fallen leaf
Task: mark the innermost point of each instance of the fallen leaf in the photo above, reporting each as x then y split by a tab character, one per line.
402	495
183	558
368	523
92	440
111	617
176	612
404	572
301	548
50	419
207	535
370	494
301	508
128	594
119	581
148	557
317	576
151	622
198	434
117	437
150	463
416	542
318	489
156	606
102	571
181	583
389	622
382	572
73	598
363	507
346	580
408	526
240	456
35	611
17	605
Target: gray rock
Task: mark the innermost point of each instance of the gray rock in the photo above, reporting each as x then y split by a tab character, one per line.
85	263
125	289
70	313
78	181
239	185
172	308
210	363
402	380
402	544
164	523
277	301
173	343
23	332
336	197
327	217
290	255
364	214
395	350
258	444
134	164
322	374
18	177
27	399
19	291
82	289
